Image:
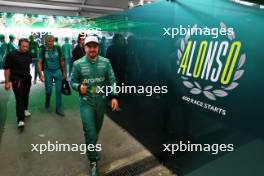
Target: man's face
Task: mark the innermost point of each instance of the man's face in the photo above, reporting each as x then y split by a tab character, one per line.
92	50
82	41
50	43
24	47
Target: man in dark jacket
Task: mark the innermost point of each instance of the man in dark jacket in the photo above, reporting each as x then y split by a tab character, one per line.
78	52
116	54
17	76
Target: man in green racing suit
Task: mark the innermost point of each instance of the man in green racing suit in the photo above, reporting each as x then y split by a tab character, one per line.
89	73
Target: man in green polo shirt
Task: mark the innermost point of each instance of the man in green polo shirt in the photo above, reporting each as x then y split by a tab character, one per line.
11	46
89	72
52	62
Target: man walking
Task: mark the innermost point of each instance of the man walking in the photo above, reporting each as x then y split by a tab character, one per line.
17	75
51	60
89	72
67	54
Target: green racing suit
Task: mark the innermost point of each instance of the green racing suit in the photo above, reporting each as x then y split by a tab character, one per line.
93	104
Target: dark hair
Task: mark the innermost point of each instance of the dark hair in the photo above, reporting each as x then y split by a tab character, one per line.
80	36
117	37
22	40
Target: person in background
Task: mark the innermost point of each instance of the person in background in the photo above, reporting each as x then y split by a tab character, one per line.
11	46
132	67
17	76
3	50
56	42
78	52
73	43
116	54
102	46
67	54
93	103
52	62
33	50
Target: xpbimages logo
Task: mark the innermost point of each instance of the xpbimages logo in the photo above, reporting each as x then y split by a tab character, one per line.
173	32
210	66
61	147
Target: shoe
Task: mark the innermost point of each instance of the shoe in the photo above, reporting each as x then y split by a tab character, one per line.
21	124
27	113
94	169
60	113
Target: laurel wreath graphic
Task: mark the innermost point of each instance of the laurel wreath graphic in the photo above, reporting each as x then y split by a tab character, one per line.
209	91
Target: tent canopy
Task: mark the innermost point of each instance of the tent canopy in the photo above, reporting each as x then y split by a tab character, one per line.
83	8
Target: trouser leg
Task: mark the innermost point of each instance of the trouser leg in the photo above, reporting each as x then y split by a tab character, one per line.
36	70
67	70
26	87
67	67
70	68
58	84
100	110
88	115
48	87
48	81
19	95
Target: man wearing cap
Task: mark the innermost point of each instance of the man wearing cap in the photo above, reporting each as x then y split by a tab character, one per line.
89	72
52	62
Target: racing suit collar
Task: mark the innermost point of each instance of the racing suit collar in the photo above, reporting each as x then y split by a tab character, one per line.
92	60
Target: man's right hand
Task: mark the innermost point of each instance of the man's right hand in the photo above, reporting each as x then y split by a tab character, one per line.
7	85
41	77
83	88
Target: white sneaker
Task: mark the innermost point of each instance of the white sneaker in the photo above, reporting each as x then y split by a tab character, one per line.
21	124
27	113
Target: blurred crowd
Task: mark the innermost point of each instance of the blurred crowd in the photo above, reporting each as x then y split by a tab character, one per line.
123	53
